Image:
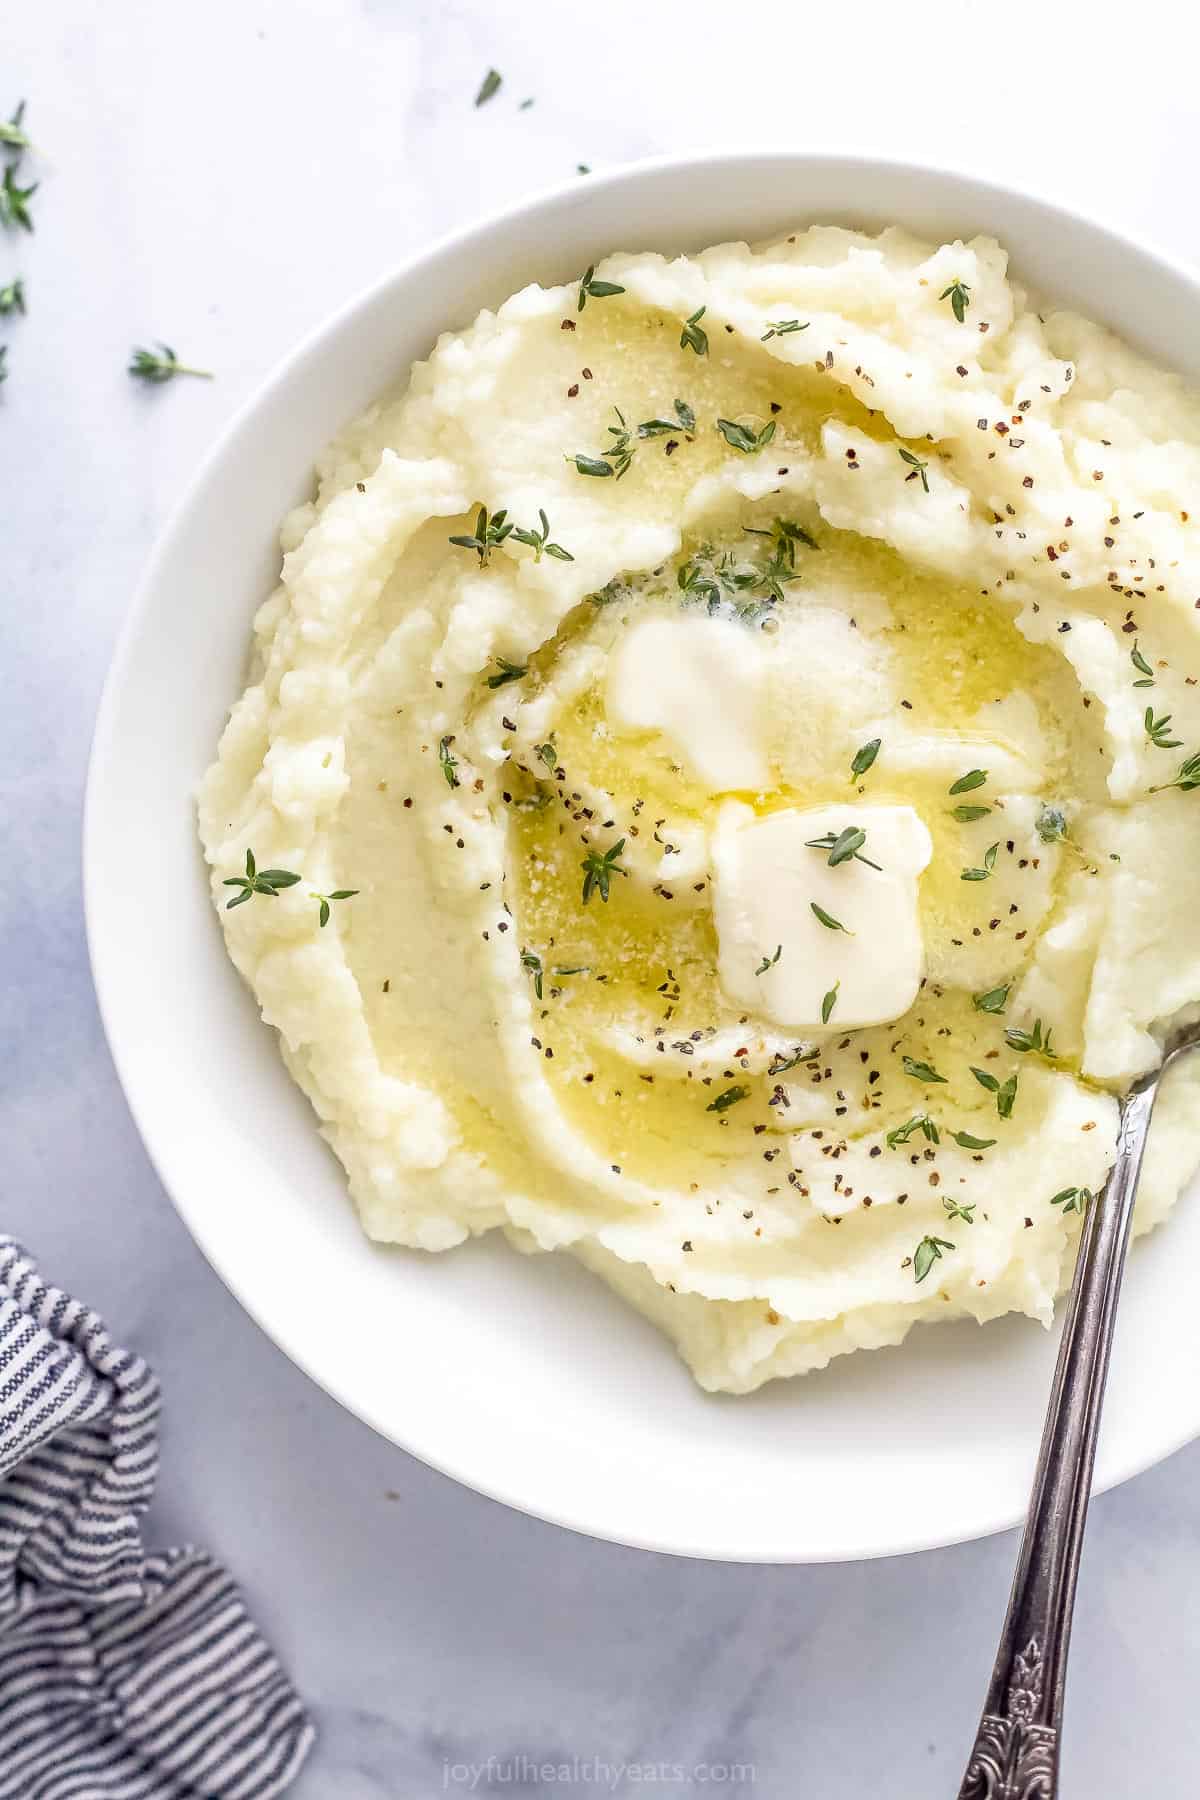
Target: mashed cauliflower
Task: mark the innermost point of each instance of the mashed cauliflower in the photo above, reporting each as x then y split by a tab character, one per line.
714	790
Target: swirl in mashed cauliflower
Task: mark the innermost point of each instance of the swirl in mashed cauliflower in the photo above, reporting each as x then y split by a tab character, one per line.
730	723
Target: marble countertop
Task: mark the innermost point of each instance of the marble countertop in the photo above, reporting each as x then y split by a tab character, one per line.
224	176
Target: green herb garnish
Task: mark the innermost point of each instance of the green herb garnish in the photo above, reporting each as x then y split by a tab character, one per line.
957	1210
616	459
728	1098
1005	1092
919	1122
966	815
1142	666
547	753
693	336
258	881
829	1002
12	297
828	920
1157	729
1072	1199
1051	824
449	762
782	327
12	134
147	366
536	540
929	1251
921	1071
507	671
993	1001
598	869
918	467
1187	778
968	1142
590	289
958	294
14	200
1035	1041
684	420
338	894
531	961
846	844
768	962
965	784
489	531
864	757
989	866
488	86
740	437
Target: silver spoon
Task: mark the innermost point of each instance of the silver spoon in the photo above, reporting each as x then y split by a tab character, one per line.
1015	1756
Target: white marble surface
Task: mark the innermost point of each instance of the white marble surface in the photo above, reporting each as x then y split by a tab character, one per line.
223	176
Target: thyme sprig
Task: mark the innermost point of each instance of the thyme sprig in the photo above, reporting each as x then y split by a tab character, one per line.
974	778
988	869
13	135
959	296
927	1252
843	847
258	881
448	761
768	962
14	200
919	1122
1186	778
693	336
12	297
323	910
616	459
1072	1199
162	365
538	540
490	530
917	466
956	1209
1005	1092
591	289
782	328
1142	666
994	1000
740	437
730	1096
684	420
598	869
1036	1042
1157	729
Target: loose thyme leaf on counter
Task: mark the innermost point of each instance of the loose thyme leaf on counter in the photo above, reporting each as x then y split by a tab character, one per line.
598	867
1157	729
12	297
728	1098
448	761
929	1251
781	328
989	866
740	437
829	1002
693	336
958	294
1142	666
846	844
258	881
338	894
994	1000
590	289
12	132
918	466
828	920
768	962
146	365
488	86
537	541
489	531
975	778
864	757
14	200
508	671
921	1071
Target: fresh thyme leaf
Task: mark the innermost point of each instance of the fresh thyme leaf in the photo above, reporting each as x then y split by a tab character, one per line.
1026	1041
1142	666
12	297
1157	729
616	459
693	336
958	294
780	1064
547	753
448	761
768	962
781	328
919	1122
841	848
864	757
828	920
525	105
3	359
1051	824
729	1097
591	465
508	671
957	1210
531	961
536	540
598	868
12	133
993	1001
1187	777
968	1142
591	289
489	531
258	881
1006	1096
918	466
14	200
929	1251
1072	1199
147	366
966	815
965	784
989	866
921	1071
583	168
684	420
740	437
488	86
829	1002
985	1080
323	913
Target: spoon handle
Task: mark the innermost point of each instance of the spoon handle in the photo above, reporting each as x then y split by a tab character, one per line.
1015	1756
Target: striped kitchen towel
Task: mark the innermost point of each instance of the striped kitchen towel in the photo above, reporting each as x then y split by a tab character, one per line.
123	1675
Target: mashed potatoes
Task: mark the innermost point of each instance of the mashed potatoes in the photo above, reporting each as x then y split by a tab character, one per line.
711	779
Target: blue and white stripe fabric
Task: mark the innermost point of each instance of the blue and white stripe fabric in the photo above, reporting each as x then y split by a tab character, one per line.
123	1675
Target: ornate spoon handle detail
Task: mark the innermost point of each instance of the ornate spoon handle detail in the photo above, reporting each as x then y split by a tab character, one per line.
1015	1756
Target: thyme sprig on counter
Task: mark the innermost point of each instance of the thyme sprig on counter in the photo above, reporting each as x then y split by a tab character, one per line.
162	365
591	289
598	869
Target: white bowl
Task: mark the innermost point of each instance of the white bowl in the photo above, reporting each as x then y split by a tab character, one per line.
522	1376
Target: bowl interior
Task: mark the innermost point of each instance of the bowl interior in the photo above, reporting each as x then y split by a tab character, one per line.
524	1377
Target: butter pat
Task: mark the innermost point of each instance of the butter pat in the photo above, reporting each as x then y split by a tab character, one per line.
765	882
699	682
